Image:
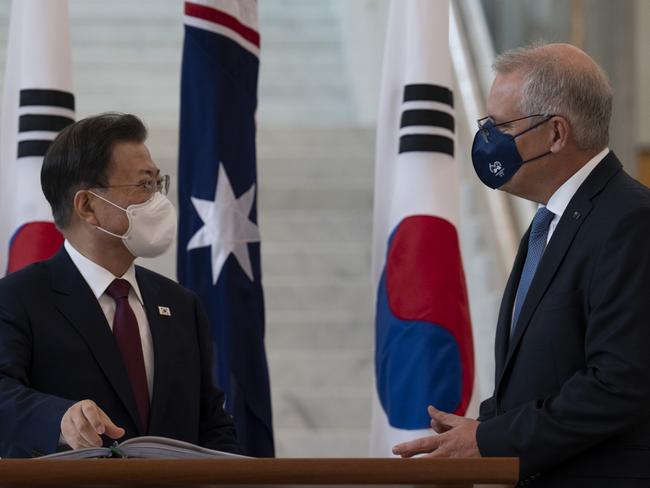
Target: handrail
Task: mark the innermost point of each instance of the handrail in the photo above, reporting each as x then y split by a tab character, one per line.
472	9
471	88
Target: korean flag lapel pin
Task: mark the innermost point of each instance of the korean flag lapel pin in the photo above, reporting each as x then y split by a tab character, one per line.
164	311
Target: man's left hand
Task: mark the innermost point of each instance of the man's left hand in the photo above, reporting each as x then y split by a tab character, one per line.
456	438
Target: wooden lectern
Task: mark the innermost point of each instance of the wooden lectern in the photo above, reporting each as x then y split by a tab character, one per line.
465	473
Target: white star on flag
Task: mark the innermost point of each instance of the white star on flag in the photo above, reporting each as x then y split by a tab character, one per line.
226	226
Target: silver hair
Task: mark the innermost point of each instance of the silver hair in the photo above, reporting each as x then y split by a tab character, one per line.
555	86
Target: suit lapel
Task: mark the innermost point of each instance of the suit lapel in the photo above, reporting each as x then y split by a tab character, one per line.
507	305
76	301
571	220
160	335
574	215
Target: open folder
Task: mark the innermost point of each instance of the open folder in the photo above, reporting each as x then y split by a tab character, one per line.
146	447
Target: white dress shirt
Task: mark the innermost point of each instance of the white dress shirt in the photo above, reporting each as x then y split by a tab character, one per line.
98	280
563	195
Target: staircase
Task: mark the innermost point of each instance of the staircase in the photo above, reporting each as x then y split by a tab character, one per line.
316	179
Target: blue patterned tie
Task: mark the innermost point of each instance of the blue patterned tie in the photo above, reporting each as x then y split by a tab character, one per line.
536	245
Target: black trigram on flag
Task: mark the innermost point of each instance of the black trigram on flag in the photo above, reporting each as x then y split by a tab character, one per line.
42	114
427	122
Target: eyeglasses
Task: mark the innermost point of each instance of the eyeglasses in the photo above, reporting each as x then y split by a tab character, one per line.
485	132
160	184
481	122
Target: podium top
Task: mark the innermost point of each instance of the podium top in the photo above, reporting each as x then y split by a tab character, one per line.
148	472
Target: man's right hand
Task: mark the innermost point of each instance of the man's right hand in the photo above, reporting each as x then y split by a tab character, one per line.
84	422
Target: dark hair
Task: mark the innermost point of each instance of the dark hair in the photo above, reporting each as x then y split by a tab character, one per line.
80	156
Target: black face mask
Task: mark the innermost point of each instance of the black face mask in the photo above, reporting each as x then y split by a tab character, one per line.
495	155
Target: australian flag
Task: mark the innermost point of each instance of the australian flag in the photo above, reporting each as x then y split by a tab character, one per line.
219	241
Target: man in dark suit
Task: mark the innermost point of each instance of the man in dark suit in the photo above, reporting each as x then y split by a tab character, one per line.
93	348
572	386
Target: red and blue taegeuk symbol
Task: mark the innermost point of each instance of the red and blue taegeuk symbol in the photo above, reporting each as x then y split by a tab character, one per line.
32	242
424	353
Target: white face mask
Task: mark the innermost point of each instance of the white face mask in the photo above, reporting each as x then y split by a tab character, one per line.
152	226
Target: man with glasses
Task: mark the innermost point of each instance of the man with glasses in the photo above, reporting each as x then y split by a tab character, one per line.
93	348
572	384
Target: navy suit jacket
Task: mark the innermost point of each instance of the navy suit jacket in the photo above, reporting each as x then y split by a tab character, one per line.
572	386
56	348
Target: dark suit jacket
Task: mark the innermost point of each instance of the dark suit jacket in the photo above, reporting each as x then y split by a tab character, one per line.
572	390
56	348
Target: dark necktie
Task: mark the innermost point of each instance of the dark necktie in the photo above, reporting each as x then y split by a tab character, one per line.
536	245
127	336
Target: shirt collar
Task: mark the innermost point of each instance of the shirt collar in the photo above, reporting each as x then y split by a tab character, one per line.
97	277
563	195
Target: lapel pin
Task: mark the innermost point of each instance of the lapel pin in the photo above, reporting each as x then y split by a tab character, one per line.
164	311
576	215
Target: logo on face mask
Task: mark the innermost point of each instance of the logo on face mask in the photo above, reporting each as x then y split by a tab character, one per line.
495	155
496	168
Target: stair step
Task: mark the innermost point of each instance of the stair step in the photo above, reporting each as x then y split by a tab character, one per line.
318	408
316	368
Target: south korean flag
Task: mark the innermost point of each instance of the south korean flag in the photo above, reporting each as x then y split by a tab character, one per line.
37	102
424	352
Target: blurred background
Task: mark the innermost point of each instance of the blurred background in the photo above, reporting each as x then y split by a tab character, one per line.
318	99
